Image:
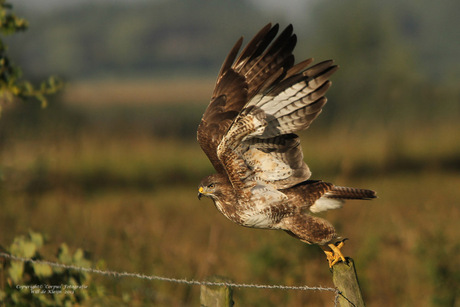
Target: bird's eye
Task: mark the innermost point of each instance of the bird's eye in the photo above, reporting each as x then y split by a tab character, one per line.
211	186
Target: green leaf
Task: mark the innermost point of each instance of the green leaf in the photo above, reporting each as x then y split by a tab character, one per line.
10	74
36	238
42	270
78	256
64	255
22	247
15	271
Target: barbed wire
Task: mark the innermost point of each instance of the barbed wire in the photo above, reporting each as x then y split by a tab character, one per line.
172	280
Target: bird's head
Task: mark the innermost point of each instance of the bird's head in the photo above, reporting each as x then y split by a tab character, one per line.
211	186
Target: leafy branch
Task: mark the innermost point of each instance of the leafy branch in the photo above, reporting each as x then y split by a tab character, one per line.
11	84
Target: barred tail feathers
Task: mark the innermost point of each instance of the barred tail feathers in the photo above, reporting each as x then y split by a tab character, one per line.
335	198
350	193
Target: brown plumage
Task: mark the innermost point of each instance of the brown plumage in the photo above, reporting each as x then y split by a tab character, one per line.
260	100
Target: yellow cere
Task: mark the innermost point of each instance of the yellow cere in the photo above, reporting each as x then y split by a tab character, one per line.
200	190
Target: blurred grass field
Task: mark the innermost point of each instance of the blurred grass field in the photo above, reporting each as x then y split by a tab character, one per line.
120	182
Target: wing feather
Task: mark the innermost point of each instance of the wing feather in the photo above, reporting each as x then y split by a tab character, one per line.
276	160
260	100
288	106
239	80
293	104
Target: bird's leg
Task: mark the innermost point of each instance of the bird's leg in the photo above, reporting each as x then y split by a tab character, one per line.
329	256
334	255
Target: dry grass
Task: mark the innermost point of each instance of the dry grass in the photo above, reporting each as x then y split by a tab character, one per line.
396	240
400	242
130	200
103	93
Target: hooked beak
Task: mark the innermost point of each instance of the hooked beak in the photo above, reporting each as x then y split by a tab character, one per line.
200	193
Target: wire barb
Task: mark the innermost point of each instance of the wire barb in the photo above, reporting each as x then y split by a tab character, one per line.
172	280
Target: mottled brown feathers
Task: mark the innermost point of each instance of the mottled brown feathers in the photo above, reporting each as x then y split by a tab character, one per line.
248	131
238	81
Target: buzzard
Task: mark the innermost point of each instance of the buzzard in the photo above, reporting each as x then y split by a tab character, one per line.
247	131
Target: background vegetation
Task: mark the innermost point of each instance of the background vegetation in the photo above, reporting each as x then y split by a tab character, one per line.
111	166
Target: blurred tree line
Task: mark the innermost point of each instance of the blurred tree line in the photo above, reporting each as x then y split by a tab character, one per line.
398	59
167	35
154	38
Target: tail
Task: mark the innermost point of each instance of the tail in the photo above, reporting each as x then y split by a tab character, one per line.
349	193
336	196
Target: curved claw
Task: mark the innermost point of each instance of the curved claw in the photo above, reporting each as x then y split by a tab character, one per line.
335	255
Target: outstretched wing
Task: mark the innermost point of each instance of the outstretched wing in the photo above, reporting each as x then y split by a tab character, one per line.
256	68
260	148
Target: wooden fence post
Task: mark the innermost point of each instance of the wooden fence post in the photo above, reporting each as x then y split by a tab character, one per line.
345	279
216	296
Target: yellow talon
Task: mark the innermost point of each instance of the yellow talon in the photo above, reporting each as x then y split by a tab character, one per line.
335	255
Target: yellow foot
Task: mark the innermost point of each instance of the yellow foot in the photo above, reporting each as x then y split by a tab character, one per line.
335	255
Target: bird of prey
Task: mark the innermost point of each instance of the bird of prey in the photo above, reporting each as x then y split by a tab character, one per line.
248	133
